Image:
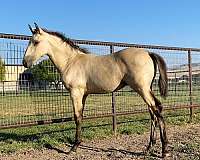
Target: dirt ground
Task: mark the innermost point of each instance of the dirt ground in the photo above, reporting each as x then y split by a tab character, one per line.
184	144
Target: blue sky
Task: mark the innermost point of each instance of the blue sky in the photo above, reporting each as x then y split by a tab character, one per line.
173	23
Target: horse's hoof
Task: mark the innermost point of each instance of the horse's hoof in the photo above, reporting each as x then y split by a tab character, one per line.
73	149
147	150
150	145
166	154
75	146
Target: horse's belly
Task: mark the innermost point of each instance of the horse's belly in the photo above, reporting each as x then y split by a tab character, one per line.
102	86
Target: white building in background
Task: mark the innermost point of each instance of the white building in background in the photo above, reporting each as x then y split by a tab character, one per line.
12	76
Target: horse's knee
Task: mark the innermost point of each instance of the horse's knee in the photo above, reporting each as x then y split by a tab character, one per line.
78	118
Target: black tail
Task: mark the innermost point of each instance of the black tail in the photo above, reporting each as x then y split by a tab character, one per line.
163	80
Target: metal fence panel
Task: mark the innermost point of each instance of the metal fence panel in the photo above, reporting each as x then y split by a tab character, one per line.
26	102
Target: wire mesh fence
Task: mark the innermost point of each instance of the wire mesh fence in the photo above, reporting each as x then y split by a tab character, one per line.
37	95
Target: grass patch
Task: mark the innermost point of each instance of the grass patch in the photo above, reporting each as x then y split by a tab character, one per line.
12	140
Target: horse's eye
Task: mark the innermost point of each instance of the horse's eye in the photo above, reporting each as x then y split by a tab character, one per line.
35	43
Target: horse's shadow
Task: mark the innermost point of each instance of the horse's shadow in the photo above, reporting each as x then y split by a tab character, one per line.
109	151
8	137
95	149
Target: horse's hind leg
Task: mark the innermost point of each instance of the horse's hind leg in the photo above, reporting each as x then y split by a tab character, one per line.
161	125
152	140
163	135
156	108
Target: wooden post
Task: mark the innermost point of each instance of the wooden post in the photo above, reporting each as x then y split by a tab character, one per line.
114	117
190	82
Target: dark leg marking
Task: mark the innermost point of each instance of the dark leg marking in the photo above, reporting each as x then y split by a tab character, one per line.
152	141
163	135
78	121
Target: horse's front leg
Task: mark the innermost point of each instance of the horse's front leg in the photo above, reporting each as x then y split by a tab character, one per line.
78	101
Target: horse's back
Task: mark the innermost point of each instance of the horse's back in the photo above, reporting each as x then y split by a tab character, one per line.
137	56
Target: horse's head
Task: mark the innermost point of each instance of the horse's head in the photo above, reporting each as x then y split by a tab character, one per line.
37	47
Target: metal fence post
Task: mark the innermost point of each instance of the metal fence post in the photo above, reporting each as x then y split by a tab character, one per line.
3	88
190	82
175	84
114	116
29	87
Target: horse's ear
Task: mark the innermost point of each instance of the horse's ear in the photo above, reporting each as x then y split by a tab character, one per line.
30	28
37	29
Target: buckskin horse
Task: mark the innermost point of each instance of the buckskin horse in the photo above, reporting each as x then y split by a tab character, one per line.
83	74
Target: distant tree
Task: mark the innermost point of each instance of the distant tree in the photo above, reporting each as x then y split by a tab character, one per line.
2	70
45	71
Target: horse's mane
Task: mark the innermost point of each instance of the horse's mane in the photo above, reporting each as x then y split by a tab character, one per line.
67	40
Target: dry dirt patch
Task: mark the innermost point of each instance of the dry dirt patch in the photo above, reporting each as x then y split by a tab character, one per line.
184	144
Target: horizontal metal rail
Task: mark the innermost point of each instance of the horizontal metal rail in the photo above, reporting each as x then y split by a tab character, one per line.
104	43
68	119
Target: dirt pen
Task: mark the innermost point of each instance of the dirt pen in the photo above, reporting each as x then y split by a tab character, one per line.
25	101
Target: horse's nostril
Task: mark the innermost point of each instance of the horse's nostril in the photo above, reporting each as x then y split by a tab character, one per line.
24	63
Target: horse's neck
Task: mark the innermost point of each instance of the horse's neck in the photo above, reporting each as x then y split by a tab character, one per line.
61	56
